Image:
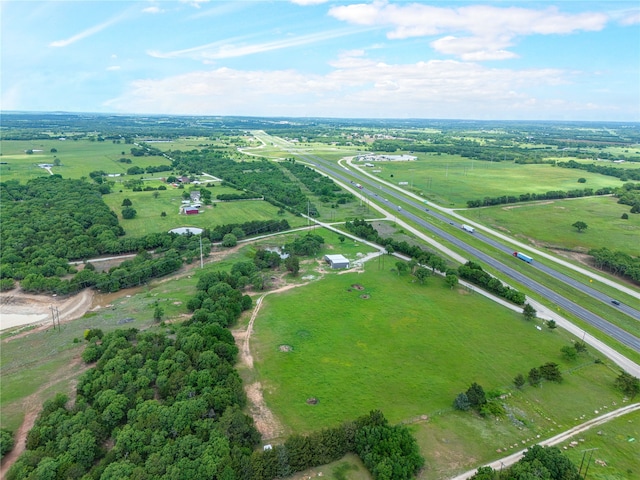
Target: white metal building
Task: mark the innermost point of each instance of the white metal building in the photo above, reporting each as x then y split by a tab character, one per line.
337	261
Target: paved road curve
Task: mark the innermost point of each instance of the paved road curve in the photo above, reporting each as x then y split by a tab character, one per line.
330	169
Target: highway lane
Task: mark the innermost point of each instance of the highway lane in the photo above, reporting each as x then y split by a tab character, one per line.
329	168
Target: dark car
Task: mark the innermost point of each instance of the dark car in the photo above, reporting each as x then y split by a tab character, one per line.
615	302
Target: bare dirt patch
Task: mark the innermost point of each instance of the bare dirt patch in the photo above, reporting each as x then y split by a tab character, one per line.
357	286
285	348
365	296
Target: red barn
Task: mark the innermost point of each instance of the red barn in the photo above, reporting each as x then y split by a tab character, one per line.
191	211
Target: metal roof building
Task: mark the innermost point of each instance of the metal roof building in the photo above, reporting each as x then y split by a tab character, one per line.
337	261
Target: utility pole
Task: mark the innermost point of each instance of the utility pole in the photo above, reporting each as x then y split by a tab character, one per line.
584	452
201	260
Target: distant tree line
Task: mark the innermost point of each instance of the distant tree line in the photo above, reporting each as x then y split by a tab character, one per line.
624	174
551	195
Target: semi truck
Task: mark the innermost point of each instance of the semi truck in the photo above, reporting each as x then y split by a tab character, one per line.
467	228
522	256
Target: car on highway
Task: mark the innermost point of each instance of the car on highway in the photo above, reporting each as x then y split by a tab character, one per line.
615	302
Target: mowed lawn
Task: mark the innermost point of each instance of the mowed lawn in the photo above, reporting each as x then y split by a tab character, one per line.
149	209
408	349
451	180
550	223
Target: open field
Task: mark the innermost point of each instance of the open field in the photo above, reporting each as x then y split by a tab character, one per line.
549	223
451	180
421	343
78	158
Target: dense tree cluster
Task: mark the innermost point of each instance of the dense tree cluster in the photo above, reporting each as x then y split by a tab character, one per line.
6	442
389	452
169	406
629	194
364	229
474	273
551	195
618	263
320	185
49	220
255	227
540	463
153	407
259	178
306	245
628	384
226	197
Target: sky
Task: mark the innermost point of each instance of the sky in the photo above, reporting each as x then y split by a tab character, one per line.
490	60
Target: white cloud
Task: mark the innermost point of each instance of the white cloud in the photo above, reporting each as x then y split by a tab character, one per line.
486	30
153	10
234	47
113	68
631	17
89	31
357	86
194	3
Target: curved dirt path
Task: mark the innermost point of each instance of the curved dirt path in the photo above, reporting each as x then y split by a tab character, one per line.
16	304
266	422
33	404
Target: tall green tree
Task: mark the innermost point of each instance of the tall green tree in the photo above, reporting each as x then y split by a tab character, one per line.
580	226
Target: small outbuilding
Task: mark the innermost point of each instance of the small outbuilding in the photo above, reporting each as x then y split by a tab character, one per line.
337	261
191	211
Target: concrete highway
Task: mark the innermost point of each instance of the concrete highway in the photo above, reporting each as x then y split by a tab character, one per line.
394	200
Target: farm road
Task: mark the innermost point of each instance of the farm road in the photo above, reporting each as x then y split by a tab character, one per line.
562	437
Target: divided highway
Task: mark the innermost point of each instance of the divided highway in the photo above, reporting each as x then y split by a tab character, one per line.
384	194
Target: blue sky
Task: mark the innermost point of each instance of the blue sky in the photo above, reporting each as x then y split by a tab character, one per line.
564	60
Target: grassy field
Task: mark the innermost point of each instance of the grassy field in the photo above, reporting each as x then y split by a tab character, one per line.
421	343
451	180
78	158
616	443
149	209
549	223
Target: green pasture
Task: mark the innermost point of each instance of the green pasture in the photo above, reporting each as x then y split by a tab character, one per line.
420	343
616	443
549	223
78	158
451	180
149	208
